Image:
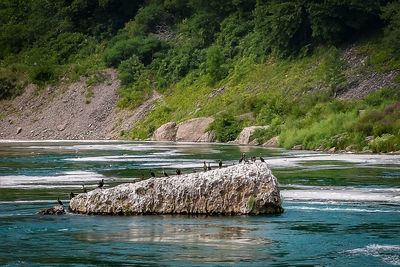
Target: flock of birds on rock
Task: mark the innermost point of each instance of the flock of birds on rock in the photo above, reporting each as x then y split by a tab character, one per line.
206	167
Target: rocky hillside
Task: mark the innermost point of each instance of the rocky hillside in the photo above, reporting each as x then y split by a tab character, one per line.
203	71
76	111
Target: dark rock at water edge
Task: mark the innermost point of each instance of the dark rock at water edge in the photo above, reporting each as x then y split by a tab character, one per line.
56	210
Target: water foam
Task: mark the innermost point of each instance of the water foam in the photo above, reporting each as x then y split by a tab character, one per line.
343	194
389	254
66	179
341	209
298	159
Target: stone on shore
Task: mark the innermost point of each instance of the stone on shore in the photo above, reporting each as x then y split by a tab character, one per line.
273	142
194	130
240	189
246	135
166	132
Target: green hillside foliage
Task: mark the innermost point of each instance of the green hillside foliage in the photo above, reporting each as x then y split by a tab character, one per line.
279	61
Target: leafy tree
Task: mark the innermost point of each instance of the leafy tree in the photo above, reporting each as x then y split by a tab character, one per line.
215	64
391	14
226	127
130	70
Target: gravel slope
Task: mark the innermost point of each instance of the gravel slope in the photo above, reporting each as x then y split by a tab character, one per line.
64	112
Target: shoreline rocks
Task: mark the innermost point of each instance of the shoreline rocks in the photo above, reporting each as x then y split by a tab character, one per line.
246	135
193	130
239	189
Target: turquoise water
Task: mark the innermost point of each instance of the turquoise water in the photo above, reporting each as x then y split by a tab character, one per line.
340	210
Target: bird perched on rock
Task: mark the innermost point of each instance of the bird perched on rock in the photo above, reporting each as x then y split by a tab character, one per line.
220	164
165	174
243	157
71	195
178	172
209	167
59	201
205	166
84	189
262	159
253	159
152	174
101	184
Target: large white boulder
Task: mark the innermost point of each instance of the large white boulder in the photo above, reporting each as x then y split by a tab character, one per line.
240	189
245	136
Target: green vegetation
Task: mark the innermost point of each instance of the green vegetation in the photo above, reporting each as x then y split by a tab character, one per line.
250	203
279	61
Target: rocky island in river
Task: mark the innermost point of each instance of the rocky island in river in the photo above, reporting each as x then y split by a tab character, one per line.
248	188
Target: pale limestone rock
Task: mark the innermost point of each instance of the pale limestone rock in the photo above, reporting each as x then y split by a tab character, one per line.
245	136
273	142
332	150
193	130
166	132
240	189
208	137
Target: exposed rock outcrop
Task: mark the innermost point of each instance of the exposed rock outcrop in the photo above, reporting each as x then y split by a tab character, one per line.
56	210
273	142
245	136
167	132
194	129
239	189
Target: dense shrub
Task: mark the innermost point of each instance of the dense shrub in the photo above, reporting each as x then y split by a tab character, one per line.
7	87
129	70
226	128
378	122
391	14
176	64
386	143
143	48
215	64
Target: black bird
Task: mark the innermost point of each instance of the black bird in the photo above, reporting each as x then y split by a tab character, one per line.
243	157
84	189
209	167
152	174
253	159
205	166
178	172
220	164
262	159
165	174
59	202
71	195
101	183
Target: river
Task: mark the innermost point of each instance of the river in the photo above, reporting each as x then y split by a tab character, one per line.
340	209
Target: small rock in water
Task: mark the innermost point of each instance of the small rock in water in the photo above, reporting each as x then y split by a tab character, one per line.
298	147
56	210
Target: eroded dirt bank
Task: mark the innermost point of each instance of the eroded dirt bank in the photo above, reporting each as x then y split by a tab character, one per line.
75	111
